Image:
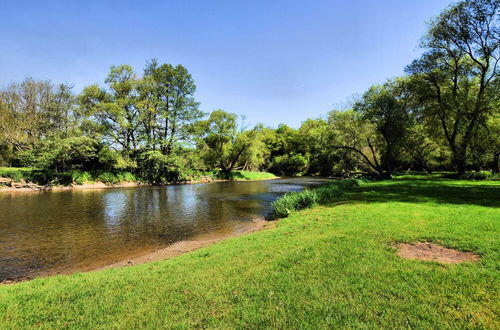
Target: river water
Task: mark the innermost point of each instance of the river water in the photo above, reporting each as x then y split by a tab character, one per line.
49	232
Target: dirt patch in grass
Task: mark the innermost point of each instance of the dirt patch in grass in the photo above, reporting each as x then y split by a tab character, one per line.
434	252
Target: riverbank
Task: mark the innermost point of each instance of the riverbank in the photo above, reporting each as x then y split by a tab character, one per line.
329	266
28	180
170	251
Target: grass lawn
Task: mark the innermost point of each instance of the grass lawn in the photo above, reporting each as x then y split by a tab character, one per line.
326	267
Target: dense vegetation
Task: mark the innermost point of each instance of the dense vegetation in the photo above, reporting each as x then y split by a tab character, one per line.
328	267
53	178
442	115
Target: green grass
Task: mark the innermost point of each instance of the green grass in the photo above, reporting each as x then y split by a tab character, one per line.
329	266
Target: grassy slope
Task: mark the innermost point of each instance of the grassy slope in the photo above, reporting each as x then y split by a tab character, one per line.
329	266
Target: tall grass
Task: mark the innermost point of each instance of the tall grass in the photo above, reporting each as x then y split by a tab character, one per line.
325	193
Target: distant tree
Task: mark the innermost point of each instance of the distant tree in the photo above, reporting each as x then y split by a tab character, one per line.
420	150
456	78
358	137
115	109
257	154
313	141
223	145
170	110
386	111
31	111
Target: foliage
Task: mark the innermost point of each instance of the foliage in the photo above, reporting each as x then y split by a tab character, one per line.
223	146
456	79
156	167
289	165
442	115
479	175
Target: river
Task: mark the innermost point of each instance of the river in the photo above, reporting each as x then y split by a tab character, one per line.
45	233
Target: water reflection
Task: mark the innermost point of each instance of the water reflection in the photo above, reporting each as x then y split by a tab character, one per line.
51	231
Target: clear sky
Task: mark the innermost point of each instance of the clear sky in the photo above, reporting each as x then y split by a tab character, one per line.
275	61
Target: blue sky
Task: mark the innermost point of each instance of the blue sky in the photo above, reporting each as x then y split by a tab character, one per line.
273	61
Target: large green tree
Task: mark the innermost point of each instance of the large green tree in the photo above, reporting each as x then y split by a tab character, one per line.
385	109
114	110
170	109
456	78
224	145
32	111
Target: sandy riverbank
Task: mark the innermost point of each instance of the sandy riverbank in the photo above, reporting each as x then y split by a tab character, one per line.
164	253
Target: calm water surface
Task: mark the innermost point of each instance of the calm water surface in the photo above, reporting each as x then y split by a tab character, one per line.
49	232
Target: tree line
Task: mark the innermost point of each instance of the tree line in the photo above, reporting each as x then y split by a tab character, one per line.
443	114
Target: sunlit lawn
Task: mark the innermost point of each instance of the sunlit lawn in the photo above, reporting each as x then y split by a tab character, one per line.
327	267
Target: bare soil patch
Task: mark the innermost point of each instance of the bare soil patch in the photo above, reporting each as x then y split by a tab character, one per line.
433	252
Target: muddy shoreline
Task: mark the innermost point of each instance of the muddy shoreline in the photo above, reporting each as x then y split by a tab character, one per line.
167	252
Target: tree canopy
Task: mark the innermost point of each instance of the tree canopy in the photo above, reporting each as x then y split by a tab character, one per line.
443	114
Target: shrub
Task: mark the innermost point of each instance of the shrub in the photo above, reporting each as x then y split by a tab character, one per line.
290	165
480	175
107	177
155	167
80	177
295	201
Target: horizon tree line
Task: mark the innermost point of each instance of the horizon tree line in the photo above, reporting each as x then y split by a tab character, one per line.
443	114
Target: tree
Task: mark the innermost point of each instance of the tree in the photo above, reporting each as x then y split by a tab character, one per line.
31	111
387	113
115	110
170	109
257	154
223	145
420	150
456	78
312	141
358	137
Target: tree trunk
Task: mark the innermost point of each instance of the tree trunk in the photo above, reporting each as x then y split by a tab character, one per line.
459	162
494	164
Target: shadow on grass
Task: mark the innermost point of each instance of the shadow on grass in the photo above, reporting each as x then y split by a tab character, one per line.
428	190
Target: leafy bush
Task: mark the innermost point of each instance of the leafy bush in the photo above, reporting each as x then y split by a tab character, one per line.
293	165
80	177
73	153
480	175
44	177
15	173
295	201
156	167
